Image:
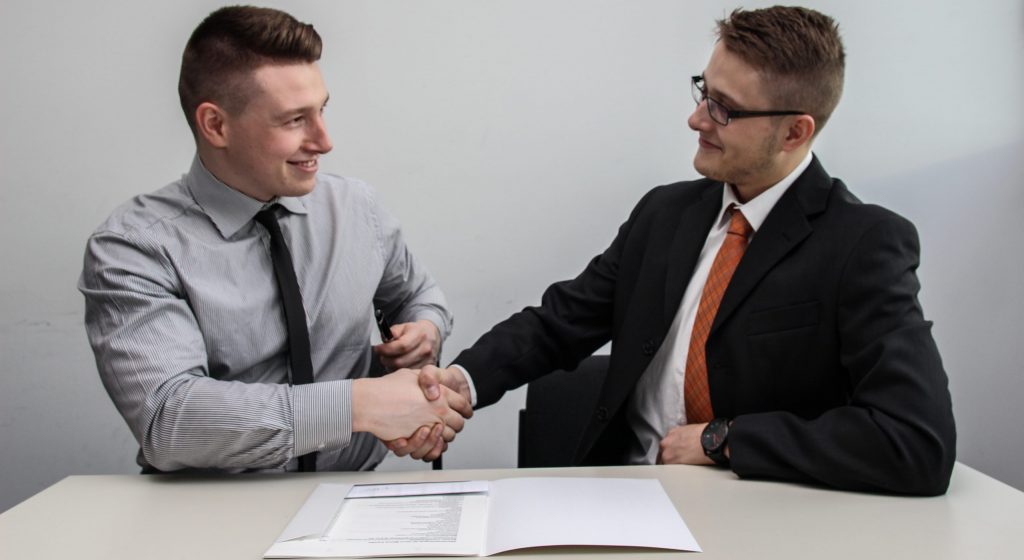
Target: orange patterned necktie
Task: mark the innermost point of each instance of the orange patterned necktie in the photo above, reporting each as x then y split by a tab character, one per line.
695	386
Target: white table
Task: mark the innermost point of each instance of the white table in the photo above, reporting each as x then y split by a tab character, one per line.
229	517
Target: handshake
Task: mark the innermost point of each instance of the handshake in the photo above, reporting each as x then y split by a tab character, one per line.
419	408
416	412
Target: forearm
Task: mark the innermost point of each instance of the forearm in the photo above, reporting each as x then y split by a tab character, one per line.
849	448
896	432
183	418
198	422
575	318
567	327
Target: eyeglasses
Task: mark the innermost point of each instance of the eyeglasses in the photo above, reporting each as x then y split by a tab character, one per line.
722	114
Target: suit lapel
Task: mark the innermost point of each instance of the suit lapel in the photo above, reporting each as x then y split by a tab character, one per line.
786	226
694	225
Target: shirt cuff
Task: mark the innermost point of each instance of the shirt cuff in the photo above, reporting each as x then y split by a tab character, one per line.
321	416
469	380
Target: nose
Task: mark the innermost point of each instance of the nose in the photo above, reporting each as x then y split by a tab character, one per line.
319	141
699	119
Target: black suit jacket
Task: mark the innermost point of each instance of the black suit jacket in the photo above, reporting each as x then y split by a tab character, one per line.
820	351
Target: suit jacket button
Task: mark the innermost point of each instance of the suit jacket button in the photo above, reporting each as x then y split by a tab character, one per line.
602	413
650	347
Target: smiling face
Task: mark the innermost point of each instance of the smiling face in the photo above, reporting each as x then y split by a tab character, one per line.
748	153
272	145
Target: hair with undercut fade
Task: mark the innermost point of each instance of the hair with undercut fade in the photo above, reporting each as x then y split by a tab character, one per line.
798	52
224	50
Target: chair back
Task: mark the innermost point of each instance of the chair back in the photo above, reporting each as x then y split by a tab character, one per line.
558	408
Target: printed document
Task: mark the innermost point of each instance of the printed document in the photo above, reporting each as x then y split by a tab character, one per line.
481	518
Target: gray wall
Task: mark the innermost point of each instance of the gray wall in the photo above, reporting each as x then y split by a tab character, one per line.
511	138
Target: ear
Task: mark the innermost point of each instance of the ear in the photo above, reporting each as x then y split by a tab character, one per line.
211	124
799	132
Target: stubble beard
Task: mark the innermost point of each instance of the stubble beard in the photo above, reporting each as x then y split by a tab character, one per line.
745	172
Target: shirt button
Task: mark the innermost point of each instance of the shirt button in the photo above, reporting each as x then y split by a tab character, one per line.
649	347
602	414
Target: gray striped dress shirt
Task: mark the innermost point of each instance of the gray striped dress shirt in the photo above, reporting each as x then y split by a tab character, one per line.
183	315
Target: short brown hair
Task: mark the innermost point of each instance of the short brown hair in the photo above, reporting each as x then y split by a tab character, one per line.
797	50
229	44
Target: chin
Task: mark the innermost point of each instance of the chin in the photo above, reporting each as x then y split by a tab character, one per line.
705	169
303	191
301	188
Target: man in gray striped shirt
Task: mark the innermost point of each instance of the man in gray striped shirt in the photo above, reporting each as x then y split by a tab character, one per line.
182	307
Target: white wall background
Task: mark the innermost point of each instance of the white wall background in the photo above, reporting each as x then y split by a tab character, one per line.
511	137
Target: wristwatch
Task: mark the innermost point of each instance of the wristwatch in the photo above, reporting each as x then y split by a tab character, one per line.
713	439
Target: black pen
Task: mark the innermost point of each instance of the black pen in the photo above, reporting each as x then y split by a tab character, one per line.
383	325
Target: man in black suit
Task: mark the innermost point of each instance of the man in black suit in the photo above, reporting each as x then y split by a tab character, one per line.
818	364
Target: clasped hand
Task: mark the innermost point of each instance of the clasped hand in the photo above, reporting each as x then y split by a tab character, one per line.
429	442
396	405
418	345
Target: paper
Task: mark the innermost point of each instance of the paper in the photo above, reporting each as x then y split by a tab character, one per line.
405	525
529	512
482	518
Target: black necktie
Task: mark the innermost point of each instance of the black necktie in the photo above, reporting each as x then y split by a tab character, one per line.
294	314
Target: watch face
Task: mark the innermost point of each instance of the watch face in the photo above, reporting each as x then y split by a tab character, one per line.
714	435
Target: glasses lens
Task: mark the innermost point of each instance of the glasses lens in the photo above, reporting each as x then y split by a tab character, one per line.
718	113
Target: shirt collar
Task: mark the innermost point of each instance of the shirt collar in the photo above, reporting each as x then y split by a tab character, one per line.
756	210
229	209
